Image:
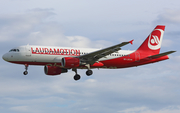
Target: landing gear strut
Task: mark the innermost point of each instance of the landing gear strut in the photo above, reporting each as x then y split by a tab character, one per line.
76	76
26	68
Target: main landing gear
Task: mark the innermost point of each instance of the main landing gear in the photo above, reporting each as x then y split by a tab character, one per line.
89	72
77	76
26	68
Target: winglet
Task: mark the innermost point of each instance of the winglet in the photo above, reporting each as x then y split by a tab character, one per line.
131	41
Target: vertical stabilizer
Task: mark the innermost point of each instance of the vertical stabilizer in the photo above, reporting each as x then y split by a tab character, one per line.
152	44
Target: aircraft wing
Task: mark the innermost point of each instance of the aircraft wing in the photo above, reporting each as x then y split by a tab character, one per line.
92	57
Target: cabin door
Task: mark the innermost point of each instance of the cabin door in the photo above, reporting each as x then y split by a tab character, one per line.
137	56
28	50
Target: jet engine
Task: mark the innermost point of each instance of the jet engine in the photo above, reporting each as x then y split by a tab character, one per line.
70	62
53	70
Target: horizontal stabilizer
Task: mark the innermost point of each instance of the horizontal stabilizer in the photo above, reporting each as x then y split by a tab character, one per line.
162	54
156	56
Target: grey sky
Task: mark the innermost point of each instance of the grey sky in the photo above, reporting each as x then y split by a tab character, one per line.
152	88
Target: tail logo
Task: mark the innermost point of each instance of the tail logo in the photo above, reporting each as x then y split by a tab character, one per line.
155	38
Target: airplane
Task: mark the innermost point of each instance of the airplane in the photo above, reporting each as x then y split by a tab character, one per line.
57	60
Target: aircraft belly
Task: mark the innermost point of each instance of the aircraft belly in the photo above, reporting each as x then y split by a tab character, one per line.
117	62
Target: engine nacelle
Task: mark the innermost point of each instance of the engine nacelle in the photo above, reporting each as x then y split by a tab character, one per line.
70	62
53	70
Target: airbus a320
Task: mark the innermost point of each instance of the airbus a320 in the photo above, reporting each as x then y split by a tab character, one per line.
57	60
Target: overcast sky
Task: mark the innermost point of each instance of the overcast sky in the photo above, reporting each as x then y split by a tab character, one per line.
152	88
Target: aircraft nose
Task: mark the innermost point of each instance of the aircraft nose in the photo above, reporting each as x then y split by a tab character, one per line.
5	57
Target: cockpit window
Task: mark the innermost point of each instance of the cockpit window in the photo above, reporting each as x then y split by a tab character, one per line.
14	50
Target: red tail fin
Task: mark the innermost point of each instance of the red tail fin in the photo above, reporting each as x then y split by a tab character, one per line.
152	44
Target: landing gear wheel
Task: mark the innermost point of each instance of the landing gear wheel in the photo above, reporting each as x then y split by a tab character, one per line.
26	68
25	72
77	77
89	72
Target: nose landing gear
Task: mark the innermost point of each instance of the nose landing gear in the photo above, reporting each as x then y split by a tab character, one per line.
26	68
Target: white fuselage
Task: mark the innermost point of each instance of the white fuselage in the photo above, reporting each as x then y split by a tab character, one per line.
47	54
